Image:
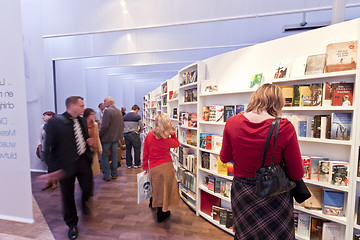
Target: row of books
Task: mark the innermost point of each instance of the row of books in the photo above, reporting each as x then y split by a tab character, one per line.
330	202
164	101
211	141
186	178
213	163
223	215
337	125
218	113
190	95
188	77
188	119
318	94
189	162
217	185
188	137
338	57
173	94
173	113
317	229
322	170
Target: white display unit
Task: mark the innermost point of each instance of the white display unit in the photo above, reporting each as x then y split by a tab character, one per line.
233	70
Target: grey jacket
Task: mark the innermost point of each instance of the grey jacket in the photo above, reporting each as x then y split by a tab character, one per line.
112	126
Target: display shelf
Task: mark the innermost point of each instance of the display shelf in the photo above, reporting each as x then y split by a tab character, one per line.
328	141
327	185
173	100
190	194
164	94
299	237
186	127
212	123
209	151
190	204
227	92
356	226
189	85
152	107
318	213
187	169
164	106
216	223
188	145
174	119
187	103
215	194
316	76
216	174
319	108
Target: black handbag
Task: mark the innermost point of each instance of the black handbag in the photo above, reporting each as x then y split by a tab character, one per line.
300	192
272	180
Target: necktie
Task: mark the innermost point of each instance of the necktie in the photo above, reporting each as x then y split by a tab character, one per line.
80	143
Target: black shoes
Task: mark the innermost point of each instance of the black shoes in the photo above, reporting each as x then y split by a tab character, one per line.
150	202
73	233
161	216
85	209
107	179
115	177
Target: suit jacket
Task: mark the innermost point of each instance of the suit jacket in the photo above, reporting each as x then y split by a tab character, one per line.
60	143
112	126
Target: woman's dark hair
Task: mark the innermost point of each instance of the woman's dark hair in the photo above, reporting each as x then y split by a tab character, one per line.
88	111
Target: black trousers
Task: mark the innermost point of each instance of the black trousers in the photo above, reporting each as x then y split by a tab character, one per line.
132	140
82	171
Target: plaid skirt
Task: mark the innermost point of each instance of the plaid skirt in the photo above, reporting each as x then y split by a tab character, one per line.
260	218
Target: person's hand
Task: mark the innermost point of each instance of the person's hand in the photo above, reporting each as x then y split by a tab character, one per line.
100	153
53	176
90	142
173	128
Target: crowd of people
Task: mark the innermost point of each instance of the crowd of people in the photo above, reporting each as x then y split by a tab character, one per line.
81	143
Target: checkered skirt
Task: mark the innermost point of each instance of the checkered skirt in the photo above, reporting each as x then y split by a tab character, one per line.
260	218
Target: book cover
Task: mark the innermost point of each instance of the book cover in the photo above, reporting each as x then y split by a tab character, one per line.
188	137
327	94
325	127
316	228
316	199
256	80
213	163
222	167
342	94
193	121
212	113
229	219
333	231
315	167
205	179
219	114
217	185
302	126
307	165
315	64
288	94
194	95
306	100
209	141
203	140
333	203
229	111
240	109
281	70
296	222
227	188
305	95
304	225
211	183
341	56
209	86
309	127
341	125
316	94
298	66
223	216
216	213
193	138
216	143
340	173
296	96
230	168
206	113
205	160
324	171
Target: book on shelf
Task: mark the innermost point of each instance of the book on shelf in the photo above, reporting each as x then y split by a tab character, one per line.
216	143
305	95
193	120
240	109
188	137
302	125
212	113
306	164
327	94
297	67
211	183
215	213
324	171
203	140
316	94
209	141
341	56
316	228
288	94
213	162
219	185
222	167
207	201
256	80
223	216
315	167
316	200
304	225
296	222
281	70
296	96
333	203
340	173
227	188
193	137
315	64
205	113
219	115
341	125
333	231
229	219
205	160
209	86
342	94
229	111
322	126
230	168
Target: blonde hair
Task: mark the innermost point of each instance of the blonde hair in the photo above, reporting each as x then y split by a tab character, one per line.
162	126
267	97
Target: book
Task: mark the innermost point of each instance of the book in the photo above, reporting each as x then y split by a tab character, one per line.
222	167
209	141
306	164
212	113
219	114
298	66
304	225
211	183
325	127
227	188
316	199
223	215
229	219
216	143
302	128
296	221
288	94
203	140
309	127
217	185
333	203
193	138
324	171
230	168
340	173
316	228
229	111
216	213
206	113
317	126
315	167
305	95
193	120
240	109
281	70
327	94
315	64
205	160
342	94
296	95
341	56
333	231
256	80
209	86
213	162
316	94
341	125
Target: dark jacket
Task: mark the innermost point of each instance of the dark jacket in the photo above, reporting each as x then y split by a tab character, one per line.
112	126
60	143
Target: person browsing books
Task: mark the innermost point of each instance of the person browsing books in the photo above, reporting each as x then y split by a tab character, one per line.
244	140
157	160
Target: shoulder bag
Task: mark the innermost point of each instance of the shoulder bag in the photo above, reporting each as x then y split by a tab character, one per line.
272	180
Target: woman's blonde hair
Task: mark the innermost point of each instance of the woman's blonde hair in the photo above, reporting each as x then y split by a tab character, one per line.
162	126
267	97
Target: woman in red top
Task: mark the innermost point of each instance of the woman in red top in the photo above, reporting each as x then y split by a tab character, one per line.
244	140
156	152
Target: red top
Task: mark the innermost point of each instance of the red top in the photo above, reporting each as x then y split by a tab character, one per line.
158	150
244	141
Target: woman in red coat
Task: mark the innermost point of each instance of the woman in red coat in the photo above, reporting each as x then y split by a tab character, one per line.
156	153
244	140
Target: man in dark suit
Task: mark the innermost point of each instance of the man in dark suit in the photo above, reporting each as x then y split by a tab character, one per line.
111	132
68	156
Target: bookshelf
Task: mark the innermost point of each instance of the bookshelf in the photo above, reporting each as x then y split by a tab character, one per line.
233	70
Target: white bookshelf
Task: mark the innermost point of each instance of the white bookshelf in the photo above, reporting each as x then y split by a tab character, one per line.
216	223
216	174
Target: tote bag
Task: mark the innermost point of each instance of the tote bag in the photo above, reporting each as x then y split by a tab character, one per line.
144	190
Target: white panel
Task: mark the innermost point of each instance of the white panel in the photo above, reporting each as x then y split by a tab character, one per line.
96	86
79	46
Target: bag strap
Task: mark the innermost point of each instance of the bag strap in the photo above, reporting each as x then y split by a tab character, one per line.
275	124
